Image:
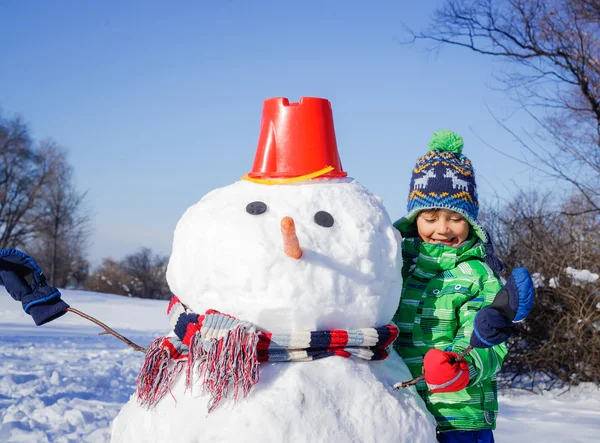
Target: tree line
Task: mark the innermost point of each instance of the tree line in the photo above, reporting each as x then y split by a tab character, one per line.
42	212
559	343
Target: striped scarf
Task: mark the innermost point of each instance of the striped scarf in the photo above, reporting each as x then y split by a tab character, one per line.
226	352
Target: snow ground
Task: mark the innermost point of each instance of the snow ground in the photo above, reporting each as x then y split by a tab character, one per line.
62	382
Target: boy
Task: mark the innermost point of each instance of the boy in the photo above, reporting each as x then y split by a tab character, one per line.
446	281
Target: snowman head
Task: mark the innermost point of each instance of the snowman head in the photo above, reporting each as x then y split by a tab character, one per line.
229	249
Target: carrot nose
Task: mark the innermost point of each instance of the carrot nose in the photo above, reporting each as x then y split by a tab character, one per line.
291	246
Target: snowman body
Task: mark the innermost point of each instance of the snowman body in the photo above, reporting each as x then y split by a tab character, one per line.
228	255
329	400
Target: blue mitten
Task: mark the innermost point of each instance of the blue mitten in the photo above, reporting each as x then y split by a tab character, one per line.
25	282
493	324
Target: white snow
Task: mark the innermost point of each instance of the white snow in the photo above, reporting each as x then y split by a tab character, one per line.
538	280
557	416
62	382
581	276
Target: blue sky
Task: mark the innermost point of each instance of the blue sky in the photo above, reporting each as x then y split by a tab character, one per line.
160	102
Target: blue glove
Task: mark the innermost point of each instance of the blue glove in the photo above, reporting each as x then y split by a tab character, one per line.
25	282
493	324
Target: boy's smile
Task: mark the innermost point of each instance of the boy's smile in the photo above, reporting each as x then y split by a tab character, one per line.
449	242
442	226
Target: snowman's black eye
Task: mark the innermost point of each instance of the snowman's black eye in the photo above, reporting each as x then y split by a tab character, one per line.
324	219
256	208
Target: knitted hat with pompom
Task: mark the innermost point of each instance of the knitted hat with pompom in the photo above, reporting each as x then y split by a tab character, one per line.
443	179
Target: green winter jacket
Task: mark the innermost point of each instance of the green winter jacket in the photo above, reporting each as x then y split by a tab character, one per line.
443	288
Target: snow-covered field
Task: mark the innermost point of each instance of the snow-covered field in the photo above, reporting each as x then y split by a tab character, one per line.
62	382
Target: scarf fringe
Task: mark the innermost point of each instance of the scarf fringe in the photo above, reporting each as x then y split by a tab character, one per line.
225	365
157	374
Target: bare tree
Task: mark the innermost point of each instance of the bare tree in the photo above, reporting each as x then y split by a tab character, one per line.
24	171
147	271
555	47
109	278
560	341
141	274
62	223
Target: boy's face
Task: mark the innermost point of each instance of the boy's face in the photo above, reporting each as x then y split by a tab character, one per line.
442	226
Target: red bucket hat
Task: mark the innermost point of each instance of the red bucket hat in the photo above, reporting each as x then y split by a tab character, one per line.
297	142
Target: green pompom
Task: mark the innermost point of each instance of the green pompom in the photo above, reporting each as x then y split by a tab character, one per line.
446	141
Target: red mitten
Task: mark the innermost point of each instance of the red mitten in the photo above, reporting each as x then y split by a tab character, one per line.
443	373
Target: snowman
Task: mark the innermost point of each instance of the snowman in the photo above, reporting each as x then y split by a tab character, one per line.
291	264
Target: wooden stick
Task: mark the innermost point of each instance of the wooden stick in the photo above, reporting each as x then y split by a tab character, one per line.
406	384
107	329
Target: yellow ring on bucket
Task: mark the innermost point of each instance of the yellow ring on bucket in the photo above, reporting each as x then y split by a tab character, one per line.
283	181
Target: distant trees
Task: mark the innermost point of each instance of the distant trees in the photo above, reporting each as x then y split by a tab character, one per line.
147	271
141	274
43	213
560	340
40	209
25	170
110	278
62	226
